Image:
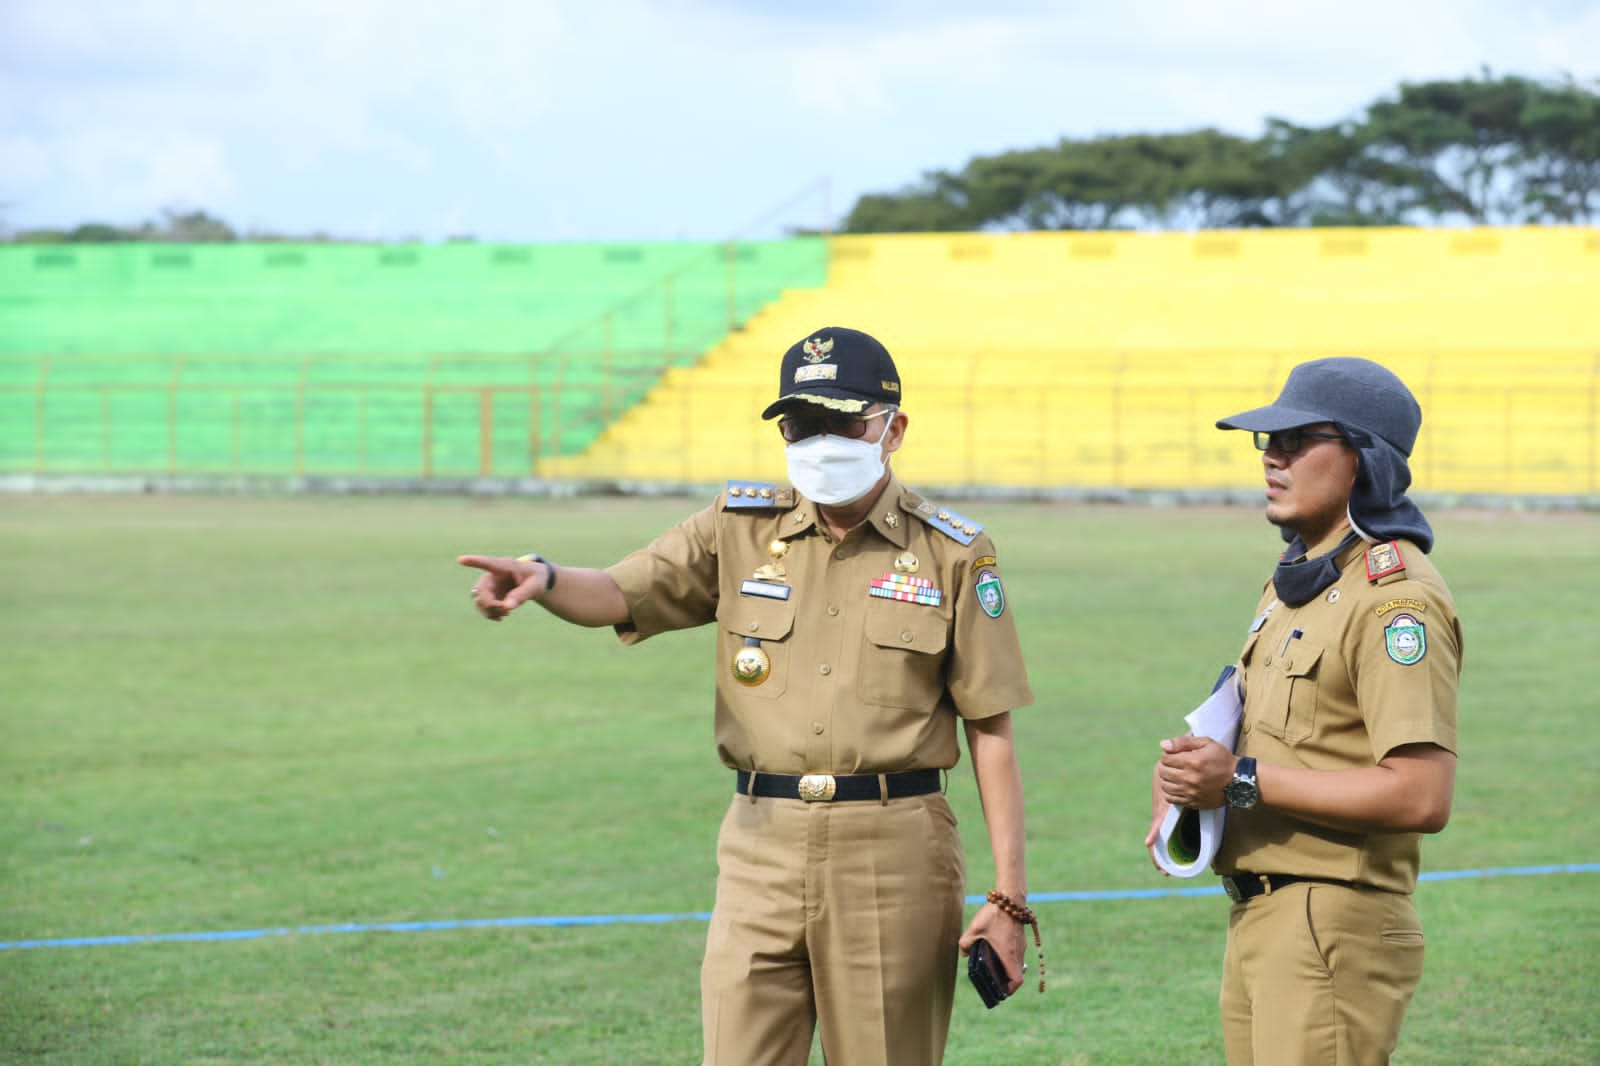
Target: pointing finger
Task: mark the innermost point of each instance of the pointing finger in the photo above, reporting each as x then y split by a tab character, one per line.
494	564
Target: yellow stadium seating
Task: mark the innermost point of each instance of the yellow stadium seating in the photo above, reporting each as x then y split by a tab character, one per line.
1075	360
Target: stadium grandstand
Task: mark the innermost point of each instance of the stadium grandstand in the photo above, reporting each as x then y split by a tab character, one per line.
1033	361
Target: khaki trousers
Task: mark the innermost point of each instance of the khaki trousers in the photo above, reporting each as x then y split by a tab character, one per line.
1318	975
843	914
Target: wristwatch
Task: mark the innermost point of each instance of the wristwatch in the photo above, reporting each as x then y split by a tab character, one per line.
1242	792
550	568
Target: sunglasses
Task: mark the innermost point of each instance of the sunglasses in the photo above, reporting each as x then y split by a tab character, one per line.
1289	441
799	427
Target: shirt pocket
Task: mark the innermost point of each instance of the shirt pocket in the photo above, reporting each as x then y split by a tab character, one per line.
768	621
1289	708
902	657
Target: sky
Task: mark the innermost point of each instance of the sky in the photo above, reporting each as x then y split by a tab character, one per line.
569	120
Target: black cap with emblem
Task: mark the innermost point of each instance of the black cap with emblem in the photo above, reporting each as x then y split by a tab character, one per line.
837	368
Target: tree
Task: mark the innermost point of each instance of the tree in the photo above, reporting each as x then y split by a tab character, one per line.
1215	180
1561	153
1484	150
175	226
1453	147
188	227
1331	181
936	204
1087	185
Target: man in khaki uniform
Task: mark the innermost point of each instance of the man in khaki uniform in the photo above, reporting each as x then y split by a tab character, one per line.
1346	753
856	625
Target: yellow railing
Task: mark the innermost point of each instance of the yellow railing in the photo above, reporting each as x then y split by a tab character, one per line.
1521	423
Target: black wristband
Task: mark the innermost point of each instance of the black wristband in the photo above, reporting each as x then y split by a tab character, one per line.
550	568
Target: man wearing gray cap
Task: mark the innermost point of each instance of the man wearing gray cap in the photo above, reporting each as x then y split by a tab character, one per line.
1347	747
860	632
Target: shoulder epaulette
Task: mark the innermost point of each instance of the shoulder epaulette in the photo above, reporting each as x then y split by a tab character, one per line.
757	495
948	522
1385	563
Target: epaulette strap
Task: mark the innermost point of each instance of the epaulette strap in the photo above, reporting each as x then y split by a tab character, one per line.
757	495
1385	564
948	522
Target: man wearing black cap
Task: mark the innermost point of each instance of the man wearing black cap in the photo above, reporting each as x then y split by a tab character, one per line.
857	624
1346	752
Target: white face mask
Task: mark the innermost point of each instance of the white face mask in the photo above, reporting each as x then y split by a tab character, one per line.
836	470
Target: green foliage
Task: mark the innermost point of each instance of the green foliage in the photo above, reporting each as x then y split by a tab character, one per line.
1455	145
236	714
178	227
938	205
1487	150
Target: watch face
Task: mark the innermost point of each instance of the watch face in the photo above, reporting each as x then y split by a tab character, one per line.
1241	793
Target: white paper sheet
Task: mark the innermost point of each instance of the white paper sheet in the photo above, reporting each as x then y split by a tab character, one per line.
1189	839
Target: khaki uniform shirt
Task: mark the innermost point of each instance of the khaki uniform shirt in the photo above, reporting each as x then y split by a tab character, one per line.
1367	666
876	643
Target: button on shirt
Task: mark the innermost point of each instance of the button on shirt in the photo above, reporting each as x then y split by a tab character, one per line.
858	683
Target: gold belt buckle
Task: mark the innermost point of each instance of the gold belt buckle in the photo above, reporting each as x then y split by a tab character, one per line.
817	787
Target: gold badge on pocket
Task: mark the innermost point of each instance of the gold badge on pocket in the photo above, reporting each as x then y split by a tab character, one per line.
751	664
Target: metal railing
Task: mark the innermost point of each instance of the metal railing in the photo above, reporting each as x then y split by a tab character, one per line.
1519	436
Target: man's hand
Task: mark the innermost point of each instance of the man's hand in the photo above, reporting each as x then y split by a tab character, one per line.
505	583
1193	771
1005	935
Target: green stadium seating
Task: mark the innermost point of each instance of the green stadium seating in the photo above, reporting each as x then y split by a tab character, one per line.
276	358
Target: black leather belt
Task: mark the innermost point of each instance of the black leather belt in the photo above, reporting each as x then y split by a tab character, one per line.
816	788
1249	886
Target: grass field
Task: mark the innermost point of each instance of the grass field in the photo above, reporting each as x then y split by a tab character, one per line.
244	713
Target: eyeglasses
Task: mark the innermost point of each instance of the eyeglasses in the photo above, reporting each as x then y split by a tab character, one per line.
799	427
1289	441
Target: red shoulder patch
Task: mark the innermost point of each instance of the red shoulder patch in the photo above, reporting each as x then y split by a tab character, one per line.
1383	560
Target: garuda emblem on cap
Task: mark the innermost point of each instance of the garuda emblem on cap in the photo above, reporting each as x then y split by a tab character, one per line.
816	349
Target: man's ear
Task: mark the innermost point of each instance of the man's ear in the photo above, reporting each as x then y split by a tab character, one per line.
897	432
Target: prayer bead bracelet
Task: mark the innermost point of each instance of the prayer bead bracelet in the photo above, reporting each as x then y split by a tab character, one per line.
1022	914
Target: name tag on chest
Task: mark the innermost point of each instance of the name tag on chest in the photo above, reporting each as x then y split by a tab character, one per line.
769	589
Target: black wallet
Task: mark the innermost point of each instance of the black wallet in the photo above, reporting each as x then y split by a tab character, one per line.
987	973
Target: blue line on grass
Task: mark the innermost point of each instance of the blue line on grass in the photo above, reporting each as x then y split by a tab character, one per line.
694	916
362	927
1216	890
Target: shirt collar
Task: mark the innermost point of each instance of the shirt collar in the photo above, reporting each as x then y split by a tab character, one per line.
1328	543
890	515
